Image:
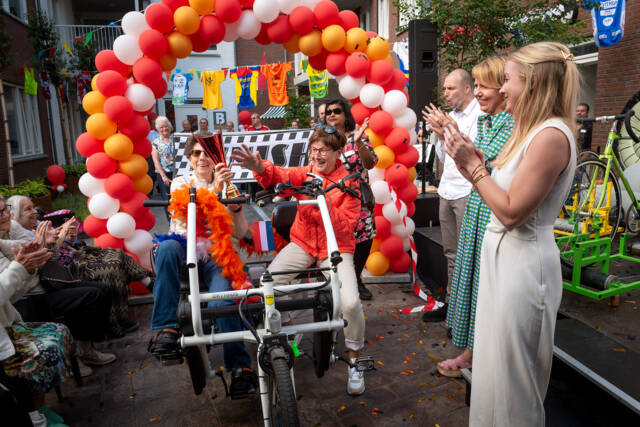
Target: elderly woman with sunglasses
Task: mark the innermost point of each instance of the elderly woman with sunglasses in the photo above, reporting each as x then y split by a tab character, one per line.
308	240
357	156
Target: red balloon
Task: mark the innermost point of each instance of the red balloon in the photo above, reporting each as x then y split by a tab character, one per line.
408	194
244	117
174	4
211	29
146	221
381	122
88	145
398	81
55	174
377	209
392	246
360	112
301	20
372	34
159	17
396	175
100	165
133	205
228	10
119	186
319	62
106	240
380	72
153	43
409	157
357	65
411	207
111	83
279	31
138	288
159	88
198	43
118	109
335	62
147	71
348	19
263	37
398	140
401	263
93	226
383	227
143	147
136	127
107	60
326	13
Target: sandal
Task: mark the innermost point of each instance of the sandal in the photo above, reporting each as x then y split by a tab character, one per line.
451	367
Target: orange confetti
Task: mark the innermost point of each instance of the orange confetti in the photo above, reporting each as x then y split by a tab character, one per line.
340	409
221	368
407	335
404	373
128	345
132	396
363	404
396	317
379	336
366	317
433	398
426	384
459	389
154	419
145	366
434	357
420	342
409	370
620	349
400	340
449	397
443	342
130	372
394	311
410	415
420	399
380	363
412	354
405	361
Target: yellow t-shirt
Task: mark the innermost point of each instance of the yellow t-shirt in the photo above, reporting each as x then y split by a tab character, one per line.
212	95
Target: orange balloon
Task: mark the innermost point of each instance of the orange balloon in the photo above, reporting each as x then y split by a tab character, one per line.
186	19
386	157
377	264
100	127
389	59
93	102
118	146
356	40
311	43
333	38
134	167
144	184
412	174
375	245
374	138
94	86
167	62
179	45
378	48
203	7
292	44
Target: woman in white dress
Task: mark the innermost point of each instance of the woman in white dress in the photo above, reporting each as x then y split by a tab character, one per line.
520	279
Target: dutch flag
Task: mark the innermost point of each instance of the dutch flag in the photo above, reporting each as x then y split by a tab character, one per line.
263	236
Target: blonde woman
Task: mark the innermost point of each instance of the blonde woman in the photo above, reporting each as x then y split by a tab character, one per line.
520	280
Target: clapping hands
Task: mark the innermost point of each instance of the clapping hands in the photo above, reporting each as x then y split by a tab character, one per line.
31	255
437	119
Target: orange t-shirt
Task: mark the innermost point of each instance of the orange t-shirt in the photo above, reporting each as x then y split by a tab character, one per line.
276	75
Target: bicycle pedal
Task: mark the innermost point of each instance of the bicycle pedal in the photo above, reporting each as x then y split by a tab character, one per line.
365	364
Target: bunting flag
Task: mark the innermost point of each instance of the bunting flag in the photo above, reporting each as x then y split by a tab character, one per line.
45	85
67	48
263	236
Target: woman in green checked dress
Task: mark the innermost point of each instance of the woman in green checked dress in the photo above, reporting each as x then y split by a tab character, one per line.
494	129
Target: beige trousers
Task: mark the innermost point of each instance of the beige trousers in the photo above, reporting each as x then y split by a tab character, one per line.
451	213
293	257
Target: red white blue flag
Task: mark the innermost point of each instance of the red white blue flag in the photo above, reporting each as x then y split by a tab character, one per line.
263	236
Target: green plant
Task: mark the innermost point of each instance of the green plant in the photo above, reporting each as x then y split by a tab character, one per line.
75	202
76	169
29	187
46	45
297	109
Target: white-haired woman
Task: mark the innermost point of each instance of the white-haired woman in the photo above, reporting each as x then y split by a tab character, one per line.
162	155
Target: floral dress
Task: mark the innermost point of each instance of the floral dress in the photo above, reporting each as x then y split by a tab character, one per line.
493	132
165	153
366	226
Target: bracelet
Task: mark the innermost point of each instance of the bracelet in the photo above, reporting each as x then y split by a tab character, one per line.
476	169
480	177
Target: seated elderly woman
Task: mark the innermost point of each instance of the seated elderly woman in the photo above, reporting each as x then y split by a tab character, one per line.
170	257
308	241
38	353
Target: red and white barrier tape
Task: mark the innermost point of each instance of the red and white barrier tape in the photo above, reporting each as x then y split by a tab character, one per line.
431	303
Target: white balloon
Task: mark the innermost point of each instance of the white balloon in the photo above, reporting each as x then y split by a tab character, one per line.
248	25
130	81
407	120
287	6
103	206
381	192
121	225
350	88
394	102
89	185
126	49
141	97
400	230
406	244
411	226
339	78
231	31
413	136
376	174
145	261
133	23
265	10
371	95
139	242
391	213
310	3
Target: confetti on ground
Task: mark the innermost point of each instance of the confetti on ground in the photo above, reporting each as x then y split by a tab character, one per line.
376	411
420	399
396	317
420	342
130	372
597	328
403	373
380	363
449	397
412	354
145	366
154	419
132	396
221	368
366	317
400	340
459	389
379	336
407	335
409	371
410	415
363	404
369	342
128	345
433	398
381	310
340	409
434	357
620	349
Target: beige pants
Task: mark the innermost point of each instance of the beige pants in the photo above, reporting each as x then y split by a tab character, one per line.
293	257
451	213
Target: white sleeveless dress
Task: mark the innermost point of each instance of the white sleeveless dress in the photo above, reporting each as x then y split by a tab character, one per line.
519	295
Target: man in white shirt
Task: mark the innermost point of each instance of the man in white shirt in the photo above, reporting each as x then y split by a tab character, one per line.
454	188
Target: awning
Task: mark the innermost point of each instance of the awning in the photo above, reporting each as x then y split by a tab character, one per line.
273	113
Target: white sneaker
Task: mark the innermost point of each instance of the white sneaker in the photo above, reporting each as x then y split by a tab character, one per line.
91	356
355	382
85	371
38	419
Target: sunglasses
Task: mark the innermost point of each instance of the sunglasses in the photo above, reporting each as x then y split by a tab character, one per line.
326	128
197	153
331	111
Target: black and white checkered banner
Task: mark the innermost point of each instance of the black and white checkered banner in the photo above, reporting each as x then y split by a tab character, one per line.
287	148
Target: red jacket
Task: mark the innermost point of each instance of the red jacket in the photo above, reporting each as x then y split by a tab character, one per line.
307	230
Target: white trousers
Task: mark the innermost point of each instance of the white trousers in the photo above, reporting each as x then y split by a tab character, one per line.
293	257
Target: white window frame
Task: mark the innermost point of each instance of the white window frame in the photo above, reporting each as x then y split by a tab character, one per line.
383	18
29	132
23	6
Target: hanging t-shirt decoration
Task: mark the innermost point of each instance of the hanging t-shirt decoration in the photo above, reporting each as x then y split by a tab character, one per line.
246	84
318	80
212	96
607	19
83	85
30	83
45	85
180	82
277	82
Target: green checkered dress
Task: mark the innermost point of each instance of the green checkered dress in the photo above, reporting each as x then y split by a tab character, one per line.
493	132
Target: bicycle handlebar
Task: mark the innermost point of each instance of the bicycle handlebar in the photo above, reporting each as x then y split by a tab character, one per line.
155	203
605	119
316	183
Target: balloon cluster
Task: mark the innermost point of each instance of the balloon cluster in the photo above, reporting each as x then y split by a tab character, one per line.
56	176
131	77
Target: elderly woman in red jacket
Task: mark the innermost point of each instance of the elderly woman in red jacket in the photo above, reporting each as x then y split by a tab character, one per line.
308	241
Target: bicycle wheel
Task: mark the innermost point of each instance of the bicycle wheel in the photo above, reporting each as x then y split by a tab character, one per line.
632	122
588	155
282	397
584	197
197	368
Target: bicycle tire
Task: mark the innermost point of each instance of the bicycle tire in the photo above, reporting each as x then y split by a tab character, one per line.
197	369
282	397
632	122
321	346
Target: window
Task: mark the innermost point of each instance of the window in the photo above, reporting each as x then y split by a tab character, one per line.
24	123
17	8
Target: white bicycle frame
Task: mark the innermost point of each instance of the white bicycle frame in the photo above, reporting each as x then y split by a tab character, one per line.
267	291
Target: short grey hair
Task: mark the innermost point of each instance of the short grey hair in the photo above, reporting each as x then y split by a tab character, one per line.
14	203
463	75
163	119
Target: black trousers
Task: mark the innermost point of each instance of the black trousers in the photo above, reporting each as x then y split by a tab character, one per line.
83	307
360	256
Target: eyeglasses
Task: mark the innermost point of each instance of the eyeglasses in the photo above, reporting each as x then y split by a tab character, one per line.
335	111
326	128
5	211
198	153
322	152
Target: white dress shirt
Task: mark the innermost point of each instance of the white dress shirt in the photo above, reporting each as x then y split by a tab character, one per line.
452	184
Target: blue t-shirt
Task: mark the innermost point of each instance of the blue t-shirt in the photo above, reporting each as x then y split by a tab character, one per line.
607	21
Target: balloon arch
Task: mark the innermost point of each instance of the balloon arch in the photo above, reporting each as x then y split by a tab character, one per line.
131	78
